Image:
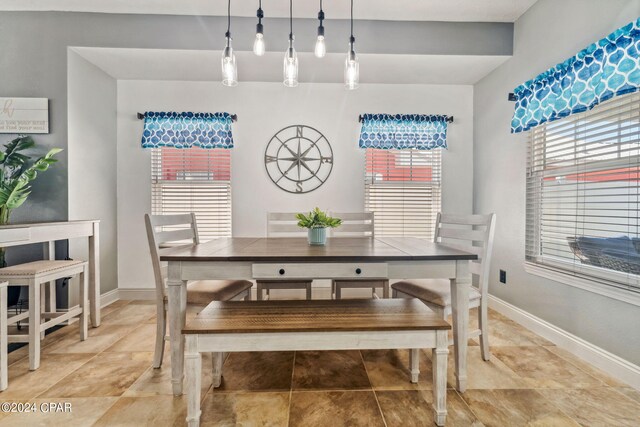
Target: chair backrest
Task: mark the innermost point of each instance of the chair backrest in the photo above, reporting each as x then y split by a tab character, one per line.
180	228
284	224
354	224
470	233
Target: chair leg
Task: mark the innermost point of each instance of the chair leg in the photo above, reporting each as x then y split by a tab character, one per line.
43	304
247	297
385	289
217	360
259	291
34	326
483	322
338	291
394	294
414	363
84	316
308	291
161	332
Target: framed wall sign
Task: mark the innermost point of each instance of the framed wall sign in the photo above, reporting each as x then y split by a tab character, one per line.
24	115
298	159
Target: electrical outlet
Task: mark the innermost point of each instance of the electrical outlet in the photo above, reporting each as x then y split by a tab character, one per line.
503	276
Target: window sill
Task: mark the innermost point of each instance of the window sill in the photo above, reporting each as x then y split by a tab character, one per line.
583	283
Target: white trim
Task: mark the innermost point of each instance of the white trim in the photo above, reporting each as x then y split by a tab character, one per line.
137	294
109	297
611	364
594	286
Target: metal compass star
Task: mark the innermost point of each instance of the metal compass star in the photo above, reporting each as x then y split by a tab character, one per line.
299	159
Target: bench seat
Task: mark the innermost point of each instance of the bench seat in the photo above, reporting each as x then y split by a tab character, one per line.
233	326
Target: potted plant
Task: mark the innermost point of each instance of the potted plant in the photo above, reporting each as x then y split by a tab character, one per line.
317	222
16	175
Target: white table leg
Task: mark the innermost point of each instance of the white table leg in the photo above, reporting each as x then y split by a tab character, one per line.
4	364
439	363
177	307
460	316
94	275
217	360
193	360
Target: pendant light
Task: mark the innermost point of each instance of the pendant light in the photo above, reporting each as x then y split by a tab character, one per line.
290	56
258	44
320	49
351	66
229	68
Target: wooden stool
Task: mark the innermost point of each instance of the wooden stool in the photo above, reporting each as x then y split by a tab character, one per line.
33	275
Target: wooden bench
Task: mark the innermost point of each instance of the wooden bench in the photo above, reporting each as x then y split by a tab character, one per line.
234	326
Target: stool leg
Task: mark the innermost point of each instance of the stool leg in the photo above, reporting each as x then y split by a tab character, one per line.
34	325
4	377
308	291
43	304
259	291
84	316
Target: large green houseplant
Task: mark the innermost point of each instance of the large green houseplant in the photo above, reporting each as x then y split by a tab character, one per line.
17	171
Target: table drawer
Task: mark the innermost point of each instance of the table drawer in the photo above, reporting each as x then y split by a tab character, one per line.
320	271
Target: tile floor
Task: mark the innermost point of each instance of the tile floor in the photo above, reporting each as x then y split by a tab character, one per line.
109	382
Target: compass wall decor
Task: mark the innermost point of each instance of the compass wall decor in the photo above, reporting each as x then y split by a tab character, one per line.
298	159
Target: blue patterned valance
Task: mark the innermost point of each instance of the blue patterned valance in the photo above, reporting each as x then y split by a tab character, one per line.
607	68
398	131
184	130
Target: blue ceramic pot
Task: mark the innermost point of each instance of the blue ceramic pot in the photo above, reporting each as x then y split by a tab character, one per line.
317	236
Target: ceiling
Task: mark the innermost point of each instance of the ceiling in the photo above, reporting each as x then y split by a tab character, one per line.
201	65
396	10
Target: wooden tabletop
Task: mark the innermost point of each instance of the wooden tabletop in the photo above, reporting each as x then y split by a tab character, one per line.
296	249
315	316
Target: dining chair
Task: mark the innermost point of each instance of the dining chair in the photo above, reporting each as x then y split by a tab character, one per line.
356	224
469	233
174	231
283	224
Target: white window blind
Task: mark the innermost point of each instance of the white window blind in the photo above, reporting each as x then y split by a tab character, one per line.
583	175
194	180
402	188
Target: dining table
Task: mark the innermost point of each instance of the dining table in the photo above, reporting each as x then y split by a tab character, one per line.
293	258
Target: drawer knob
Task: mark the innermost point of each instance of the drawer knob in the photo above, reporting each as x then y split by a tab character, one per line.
358	271
281	271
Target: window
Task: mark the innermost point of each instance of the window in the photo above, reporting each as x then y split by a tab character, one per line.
193	180
402	188
583	176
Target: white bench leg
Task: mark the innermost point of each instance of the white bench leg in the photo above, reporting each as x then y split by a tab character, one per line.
34	325
84	316
193	362
439	366
414	363
4	377
217	360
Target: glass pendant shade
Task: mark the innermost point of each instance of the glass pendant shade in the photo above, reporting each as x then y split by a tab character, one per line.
351	71
321	48
258	44
291	66
229	68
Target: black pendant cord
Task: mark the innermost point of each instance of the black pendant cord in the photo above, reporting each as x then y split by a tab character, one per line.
290	19
260	14
352	39
228	33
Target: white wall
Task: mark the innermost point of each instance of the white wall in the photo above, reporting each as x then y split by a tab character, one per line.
547	34
263	109
92	160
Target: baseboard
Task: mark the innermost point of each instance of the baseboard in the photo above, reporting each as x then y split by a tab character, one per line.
613	365
137	294
109	297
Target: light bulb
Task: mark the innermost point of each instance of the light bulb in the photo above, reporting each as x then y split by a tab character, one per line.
229	68
351	71
258	45
321	48
291	66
